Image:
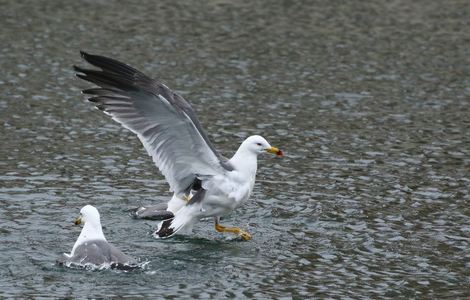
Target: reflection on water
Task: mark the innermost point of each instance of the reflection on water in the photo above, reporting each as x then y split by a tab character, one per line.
369	101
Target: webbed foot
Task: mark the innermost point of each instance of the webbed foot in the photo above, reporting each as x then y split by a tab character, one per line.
241	233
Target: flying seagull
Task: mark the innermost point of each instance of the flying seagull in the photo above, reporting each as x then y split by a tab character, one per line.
205	184
92	248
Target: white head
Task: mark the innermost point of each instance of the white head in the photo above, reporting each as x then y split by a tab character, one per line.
89	214
258	144
91	230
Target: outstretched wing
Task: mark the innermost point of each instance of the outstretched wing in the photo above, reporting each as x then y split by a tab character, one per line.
164	122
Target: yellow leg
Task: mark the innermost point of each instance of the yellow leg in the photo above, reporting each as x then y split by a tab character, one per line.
243	234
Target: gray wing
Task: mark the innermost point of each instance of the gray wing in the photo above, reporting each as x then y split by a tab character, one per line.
99	252
92	252
164	122
120	258
157	212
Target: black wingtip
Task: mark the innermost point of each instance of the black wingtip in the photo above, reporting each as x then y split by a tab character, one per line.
110	65
165	230
87	56
82	76
83	54
77	69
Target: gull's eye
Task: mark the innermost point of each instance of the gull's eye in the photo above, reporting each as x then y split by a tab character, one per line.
259	144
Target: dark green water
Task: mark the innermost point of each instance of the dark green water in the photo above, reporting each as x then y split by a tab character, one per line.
368	99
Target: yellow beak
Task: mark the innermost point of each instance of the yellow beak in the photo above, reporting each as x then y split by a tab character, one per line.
78	221
275	150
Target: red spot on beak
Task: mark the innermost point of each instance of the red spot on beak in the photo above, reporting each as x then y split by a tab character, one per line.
279	153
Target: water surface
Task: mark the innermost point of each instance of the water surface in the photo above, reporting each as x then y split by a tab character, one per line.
369	101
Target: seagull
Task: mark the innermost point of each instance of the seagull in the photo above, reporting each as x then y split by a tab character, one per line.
205	184
92	248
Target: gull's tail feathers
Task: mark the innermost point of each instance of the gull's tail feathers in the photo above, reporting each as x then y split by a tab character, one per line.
182	222
184	218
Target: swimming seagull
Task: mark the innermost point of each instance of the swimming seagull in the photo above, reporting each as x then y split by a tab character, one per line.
204	183
92	248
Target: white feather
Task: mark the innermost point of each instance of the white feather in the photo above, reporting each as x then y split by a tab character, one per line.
91	230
